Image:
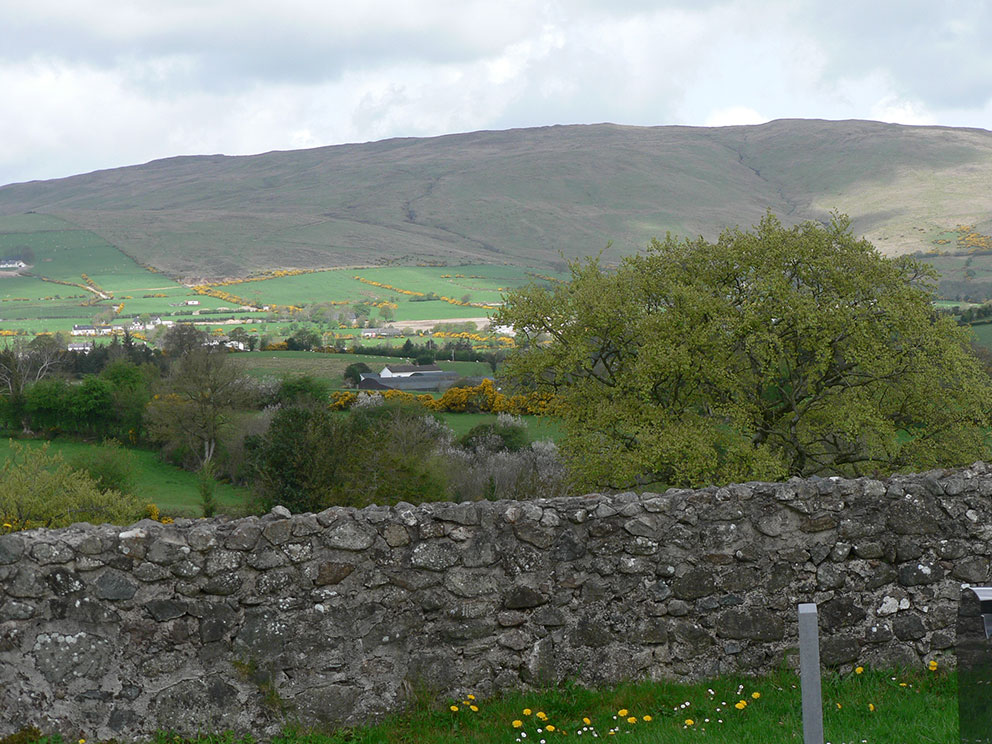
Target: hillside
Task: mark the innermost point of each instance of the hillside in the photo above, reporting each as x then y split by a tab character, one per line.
522	197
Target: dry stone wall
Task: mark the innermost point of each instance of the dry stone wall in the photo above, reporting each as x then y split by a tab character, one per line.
337	617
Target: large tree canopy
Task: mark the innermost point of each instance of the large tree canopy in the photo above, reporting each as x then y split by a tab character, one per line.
772	352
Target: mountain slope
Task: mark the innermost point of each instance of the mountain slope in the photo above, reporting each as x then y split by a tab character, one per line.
523	196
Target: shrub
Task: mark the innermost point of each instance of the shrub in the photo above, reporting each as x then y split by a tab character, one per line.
507	433
110	465
529	473
40	489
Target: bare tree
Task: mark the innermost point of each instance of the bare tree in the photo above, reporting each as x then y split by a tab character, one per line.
22	364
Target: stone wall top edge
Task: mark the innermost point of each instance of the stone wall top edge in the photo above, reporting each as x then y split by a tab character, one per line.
815	487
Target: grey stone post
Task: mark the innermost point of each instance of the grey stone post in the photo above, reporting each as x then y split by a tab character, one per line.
809	674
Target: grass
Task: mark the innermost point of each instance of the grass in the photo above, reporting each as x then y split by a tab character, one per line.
872	708
538	427
172	489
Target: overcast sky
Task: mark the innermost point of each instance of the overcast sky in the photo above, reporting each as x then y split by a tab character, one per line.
94	84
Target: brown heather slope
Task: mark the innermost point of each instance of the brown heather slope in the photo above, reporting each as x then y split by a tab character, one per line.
523	196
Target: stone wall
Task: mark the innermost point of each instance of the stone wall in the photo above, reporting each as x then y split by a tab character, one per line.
339	616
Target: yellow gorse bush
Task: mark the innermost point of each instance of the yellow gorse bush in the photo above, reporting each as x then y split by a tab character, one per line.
481	398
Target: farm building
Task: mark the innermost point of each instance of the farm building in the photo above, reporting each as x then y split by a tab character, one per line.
408	370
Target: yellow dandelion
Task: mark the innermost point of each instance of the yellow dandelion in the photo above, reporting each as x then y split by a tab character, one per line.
622	712
527	711
839	706
648	719
474	708
549	727
632	719
932	666
756	695
518	723
871	707
740	704
453	708
542	715
587	722
859	670
470	697
689	722
902	684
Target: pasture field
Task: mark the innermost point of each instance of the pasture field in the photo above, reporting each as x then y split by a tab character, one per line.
172	489
539	428
330	367
983	334
62	252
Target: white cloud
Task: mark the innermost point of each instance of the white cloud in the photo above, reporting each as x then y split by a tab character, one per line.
734	115
895	110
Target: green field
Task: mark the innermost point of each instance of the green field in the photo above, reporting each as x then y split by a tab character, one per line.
539	428
61	252
172	489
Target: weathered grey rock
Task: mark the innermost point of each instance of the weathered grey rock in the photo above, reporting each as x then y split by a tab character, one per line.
45	553
332	572
972	570
244	537
114	585
11	549
917	574
166	550
349	535
396	535
840	612
523	597
695	583
434	556
753	624
838	650
62	658
908	626
166	609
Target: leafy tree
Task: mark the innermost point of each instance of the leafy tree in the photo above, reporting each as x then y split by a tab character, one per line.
303	339
773	352
91	405
311	458
181	339
130	391
47	403
39	489
242	336
353	372
193	404
303	390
